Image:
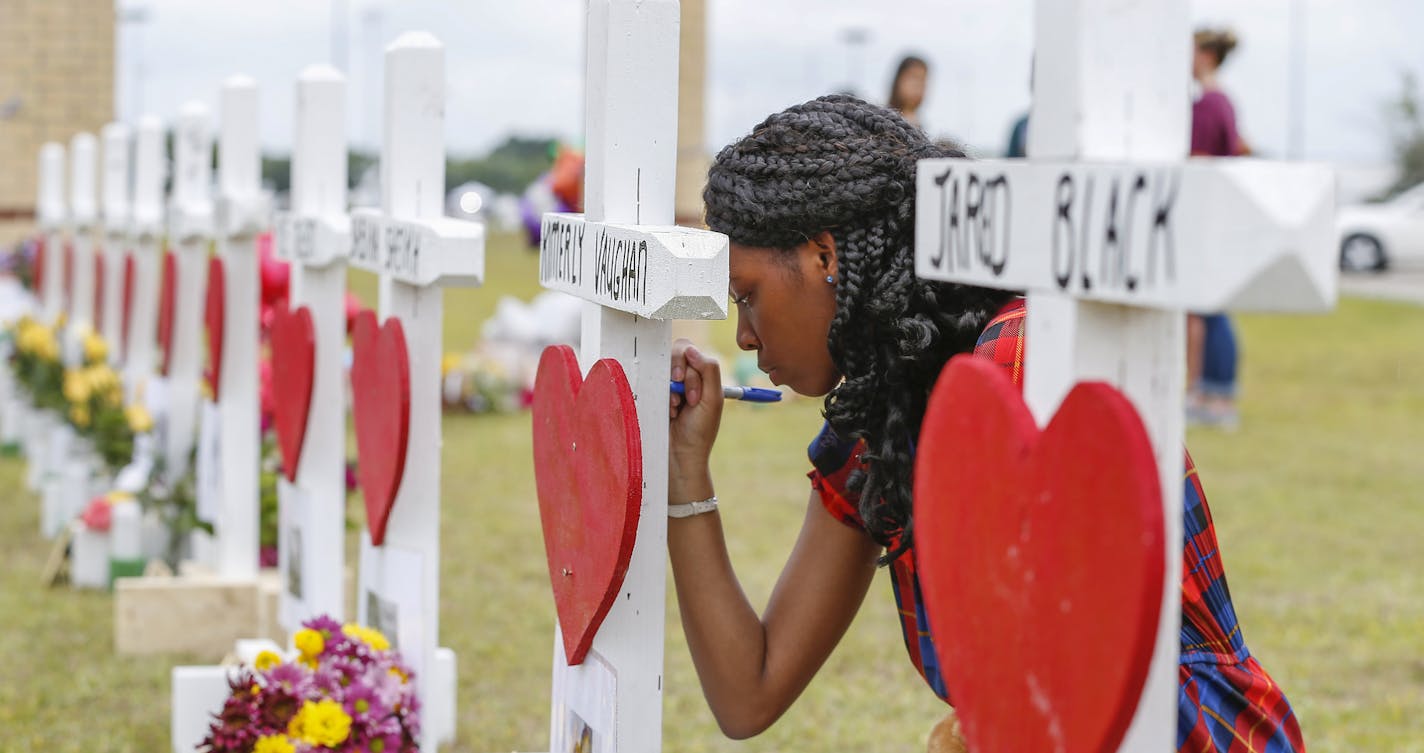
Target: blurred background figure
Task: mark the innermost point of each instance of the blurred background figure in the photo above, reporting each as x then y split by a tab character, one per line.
1212	350
907	90
1018	135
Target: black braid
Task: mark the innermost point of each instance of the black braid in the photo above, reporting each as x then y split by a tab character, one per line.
841	165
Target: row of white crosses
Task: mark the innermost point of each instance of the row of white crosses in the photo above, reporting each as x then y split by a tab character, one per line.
631	298
1115	238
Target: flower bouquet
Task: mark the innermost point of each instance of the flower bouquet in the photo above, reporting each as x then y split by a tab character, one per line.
345	690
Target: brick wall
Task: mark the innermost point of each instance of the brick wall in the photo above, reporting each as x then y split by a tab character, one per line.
56	80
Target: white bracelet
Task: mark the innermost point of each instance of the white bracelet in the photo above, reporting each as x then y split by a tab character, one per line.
689	509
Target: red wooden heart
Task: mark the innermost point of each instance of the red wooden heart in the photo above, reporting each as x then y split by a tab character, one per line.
38	271
98	292
588	468
380	393
213	310
1040	558
167	300
293	362
68	276
127	304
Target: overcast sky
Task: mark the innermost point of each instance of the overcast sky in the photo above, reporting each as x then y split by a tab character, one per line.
515	66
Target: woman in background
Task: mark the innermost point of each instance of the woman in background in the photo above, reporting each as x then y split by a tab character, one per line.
907	90
1211	342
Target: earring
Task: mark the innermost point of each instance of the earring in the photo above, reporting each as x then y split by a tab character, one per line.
830	279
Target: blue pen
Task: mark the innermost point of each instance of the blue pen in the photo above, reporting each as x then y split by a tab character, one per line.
747	394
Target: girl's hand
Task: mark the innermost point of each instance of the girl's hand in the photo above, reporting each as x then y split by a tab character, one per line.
696	414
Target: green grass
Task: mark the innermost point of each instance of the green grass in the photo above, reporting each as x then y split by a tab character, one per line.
1317	500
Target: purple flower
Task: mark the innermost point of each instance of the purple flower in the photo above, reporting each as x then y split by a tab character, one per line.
364	706
278	706
232	730
291	676
324	624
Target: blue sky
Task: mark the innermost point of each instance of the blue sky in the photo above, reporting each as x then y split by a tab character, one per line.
516	66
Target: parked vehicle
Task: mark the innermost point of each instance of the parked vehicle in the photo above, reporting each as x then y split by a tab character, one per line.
1375	236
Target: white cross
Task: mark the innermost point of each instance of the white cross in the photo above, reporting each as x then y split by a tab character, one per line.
143	234
83	220
628	262
417	252
51	211
228	472
114	210
1114	238
314	237
190	229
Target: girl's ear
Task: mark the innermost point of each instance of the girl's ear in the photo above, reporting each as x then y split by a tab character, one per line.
824	245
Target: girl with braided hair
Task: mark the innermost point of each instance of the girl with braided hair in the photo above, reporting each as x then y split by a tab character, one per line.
819	204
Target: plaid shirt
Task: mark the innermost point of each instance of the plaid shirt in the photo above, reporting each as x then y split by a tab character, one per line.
1226	701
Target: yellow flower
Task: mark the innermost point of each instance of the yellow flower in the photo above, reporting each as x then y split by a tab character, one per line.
448	364
266	660
76	386
370	636
80	416
46	344
95	349
398	672
322	723
309	642
274	744
115	497
139	420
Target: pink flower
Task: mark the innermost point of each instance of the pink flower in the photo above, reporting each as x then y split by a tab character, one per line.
98	516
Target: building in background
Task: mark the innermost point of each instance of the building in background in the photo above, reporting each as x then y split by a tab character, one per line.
56	80
692	157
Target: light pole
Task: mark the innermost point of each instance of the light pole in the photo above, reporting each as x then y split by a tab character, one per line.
1295	128
855	38
136	16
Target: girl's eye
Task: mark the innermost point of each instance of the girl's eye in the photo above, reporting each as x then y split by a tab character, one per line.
743	301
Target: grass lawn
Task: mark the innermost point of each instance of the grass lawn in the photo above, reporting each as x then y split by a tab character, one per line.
1317	501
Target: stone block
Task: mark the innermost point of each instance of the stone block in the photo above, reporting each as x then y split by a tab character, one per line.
202	615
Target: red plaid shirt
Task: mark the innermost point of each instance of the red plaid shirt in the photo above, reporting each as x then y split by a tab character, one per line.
1226	701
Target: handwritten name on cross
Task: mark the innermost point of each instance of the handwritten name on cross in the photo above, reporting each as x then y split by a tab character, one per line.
417	252
315	238
144	234
1114	238
115	210
1200	236
636	271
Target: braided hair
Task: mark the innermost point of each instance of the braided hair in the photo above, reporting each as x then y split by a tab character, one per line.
840	165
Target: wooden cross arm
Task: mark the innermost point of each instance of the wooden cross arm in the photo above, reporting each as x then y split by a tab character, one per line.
431	251
1202	235
146	224
242	216
189	220
314	241
656	272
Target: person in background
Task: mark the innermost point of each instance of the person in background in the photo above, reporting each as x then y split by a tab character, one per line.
907	90
1018	136
1212	350
1018	139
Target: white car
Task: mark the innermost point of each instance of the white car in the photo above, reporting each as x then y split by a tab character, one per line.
1375	236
